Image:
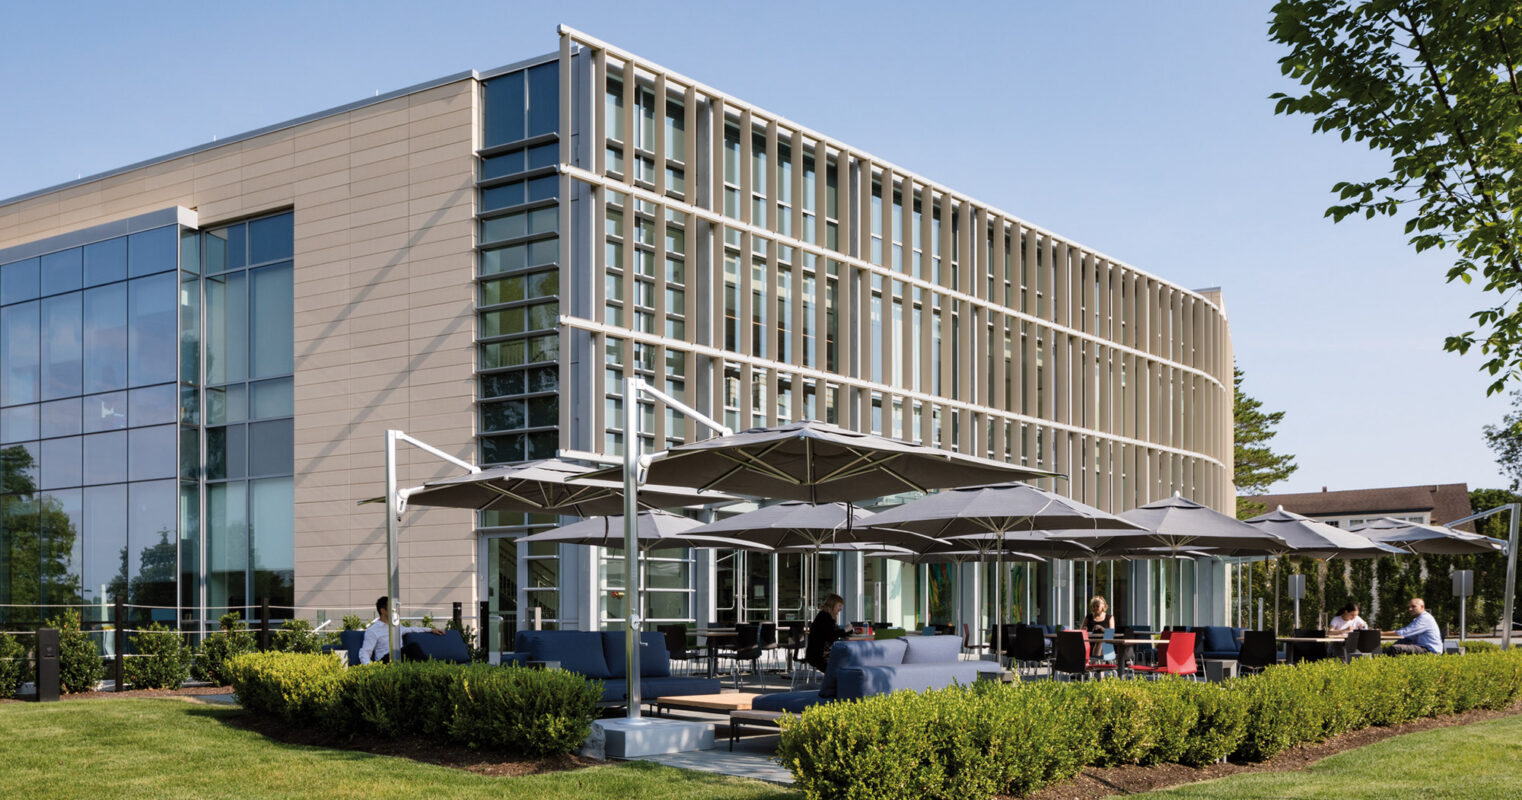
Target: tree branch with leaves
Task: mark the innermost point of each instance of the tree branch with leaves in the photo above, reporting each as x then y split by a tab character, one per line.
1255	465
1433	84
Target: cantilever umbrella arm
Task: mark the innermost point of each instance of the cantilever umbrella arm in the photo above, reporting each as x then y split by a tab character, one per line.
396	502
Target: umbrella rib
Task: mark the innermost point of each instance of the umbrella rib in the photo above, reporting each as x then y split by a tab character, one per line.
755	464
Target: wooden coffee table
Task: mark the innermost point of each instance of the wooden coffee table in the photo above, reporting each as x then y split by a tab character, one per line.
721	703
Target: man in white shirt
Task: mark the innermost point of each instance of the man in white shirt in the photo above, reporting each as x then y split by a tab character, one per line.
376	646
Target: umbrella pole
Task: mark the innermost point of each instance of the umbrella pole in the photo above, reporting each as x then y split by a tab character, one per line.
998	603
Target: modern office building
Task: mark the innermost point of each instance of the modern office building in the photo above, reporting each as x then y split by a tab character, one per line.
202	352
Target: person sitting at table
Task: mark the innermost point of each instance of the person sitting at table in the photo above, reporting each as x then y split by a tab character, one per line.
824	631
1421	636
1097	621
1345	622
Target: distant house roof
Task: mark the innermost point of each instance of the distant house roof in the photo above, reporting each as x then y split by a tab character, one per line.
1446	502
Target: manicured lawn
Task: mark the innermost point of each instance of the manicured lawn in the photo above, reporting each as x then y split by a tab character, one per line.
143	749
1465	761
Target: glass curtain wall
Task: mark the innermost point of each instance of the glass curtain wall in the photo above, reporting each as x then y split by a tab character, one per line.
90	408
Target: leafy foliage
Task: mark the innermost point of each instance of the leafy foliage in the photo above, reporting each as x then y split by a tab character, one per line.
14	665
1255	465
162	660
79	664
352	622
296	636
232	641
1435	86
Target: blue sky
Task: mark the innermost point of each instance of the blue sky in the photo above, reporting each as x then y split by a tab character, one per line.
1140	129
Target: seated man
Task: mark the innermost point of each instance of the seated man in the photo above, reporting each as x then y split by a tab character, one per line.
1421	636
376	646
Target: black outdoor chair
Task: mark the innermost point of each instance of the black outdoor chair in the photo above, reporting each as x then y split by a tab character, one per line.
1071	656
795	644
1029	649
768	639
676	645
746	647
1259	650
1361	644
1311	651
968	645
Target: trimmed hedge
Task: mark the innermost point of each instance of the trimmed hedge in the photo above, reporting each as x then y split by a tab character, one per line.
531	711
221	647
989	739
79	664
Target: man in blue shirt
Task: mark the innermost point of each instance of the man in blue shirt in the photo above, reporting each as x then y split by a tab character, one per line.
1421	636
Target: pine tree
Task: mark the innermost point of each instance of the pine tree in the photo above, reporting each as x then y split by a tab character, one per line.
1256	467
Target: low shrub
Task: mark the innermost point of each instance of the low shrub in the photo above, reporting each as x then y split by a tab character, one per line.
409	698
79	664
1472	646
352	622
162	660
296	636
1171	716
533	711
15	667
298	688
233	640
1219	726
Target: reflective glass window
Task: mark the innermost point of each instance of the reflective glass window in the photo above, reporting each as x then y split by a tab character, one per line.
271	447
504	259
226	452
272	398
61	418
153	329
226	544
61	463
105	520
153	405
62	346
153	251
19	282
151	452
105	457
544	99
105	412
19	423
500	166
226	404
271	335
190	251
62	271
20	354
504	110
152	542
62	526
106	261
226	328
500	384
272	539
190	544
105	338
271	239
508	194
190	328
544	155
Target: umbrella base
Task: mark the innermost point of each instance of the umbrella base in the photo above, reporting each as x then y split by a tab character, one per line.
649	737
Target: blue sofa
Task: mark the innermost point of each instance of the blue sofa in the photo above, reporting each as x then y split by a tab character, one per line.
600	655
415	647
860	669
1219	642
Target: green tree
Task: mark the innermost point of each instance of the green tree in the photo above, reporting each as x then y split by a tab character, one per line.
1434	85
1255	465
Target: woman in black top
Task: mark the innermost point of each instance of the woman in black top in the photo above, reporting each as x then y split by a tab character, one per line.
1096	622
823	632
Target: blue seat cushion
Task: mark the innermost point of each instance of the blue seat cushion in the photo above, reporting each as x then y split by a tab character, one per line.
932	649
654	659
352	641
1218	639
617	689
432	647
889	652
863	681
577	651
793	702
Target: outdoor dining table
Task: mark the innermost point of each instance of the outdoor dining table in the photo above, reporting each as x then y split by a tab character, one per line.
1122	647
711	637
1290	652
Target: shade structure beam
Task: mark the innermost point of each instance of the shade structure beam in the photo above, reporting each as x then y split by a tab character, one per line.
1509	600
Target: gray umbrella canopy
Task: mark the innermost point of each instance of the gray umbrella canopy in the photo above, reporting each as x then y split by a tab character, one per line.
1417	537
547	486
1316	539
656	529
1003	508
1183	524
820	463
794	523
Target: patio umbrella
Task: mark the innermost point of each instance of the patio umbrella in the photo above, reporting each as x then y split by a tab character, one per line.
547	486
1426	539
795	524
985	517
1177	523
1315	539
654	528
821	463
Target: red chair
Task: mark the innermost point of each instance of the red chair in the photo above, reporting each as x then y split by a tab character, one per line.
1175	656
968	645
1072	656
